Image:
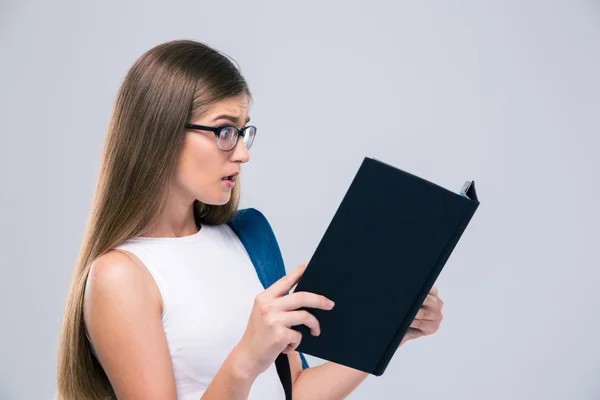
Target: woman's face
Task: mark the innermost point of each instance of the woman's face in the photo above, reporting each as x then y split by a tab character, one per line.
203	165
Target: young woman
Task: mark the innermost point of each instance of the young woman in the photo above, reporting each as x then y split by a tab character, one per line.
165	303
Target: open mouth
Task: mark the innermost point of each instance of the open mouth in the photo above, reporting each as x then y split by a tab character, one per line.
230	178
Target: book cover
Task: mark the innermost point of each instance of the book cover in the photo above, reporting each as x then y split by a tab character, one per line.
382	252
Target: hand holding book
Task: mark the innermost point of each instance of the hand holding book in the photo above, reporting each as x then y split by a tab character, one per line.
428	318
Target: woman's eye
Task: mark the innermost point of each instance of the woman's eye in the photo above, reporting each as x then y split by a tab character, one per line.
228	131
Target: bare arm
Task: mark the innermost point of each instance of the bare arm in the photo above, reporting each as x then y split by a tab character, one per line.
295	365
316	382
122	309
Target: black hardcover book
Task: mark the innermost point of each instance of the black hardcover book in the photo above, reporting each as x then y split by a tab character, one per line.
378	259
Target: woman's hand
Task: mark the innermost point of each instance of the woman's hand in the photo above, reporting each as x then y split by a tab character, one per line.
268	332
428	319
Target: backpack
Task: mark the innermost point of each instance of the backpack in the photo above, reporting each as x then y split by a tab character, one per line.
258	238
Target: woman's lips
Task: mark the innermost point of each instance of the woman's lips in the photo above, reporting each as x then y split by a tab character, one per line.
229	181
231	176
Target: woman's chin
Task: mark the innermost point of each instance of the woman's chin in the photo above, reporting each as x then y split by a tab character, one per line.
221	200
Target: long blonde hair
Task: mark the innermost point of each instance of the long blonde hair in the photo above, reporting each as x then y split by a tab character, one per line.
164	89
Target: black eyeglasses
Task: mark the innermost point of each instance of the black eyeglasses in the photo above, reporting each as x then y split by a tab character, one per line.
227	136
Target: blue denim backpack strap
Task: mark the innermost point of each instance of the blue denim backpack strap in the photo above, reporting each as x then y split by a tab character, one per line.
258	238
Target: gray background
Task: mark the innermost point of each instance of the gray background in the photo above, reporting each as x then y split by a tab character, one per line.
506	93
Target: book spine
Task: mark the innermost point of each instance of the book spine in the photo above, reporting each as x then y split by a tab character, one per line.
435	272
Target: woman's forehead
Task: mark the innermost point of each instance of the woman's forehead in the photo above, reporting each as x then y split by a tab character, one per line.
234	108
232	104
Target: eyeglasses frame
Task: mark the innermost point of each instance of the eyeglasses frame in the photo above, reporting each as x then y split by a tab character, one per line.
217	131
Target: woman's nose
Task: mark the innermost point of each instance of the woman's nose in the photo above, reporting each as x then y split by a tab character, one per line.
240	152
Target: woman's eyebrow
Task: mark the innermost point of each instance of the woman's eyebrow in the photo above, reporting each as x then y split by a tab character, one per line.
231	118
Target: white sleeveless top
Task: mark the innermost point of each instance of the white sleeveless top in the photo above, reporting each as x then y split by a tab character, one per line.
208	285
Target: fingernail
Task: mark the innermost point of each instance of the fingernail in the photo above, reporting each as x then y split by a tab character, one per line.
330	303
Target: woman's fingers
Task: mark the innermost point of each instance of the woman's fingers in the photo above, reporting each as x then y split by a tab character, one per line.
296	337
425	326
297	300
427	320
293	345
292	318
433	302
286	283
427	314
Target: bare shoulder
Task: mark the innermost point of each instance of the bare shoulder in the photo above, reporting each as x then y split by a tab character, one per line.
118	283
116	270
114	274
123	319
